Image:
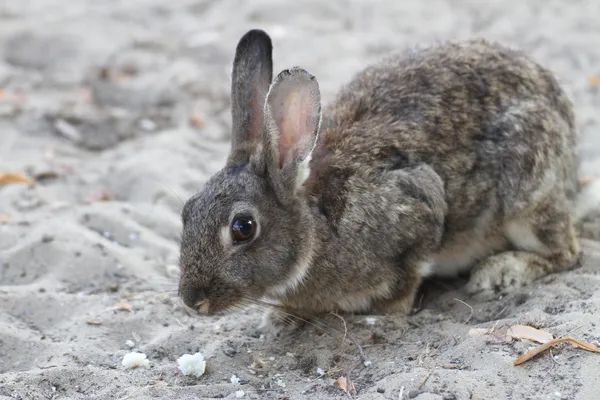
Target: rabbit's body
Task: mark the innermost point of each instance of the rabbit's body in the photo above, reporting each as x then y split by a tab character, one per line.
437	160
457	156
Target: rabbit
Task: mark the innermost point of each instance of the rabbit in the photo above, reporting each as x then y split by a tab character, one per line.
457	158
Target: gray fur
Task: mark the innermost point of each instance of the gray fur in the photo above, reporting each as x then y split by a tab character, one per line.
456	157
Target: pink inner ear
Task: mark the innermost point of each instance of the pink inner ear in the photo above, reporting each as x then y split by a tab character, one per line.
293	123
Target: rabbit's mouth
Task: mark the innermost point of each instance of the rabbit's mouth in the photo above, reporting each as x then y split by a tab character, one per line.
205	307
212	300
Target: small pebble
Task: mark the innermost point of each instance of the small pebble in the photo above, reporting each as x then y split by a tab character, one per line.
414	393
380	390
130	343
47	238
229	351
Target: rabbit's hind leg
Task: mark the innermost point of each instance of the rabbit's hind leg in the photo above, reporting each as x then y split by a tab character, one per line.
544	241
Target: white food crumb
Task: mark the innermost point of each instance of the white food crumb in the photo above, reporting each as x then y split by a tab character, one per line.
239	393
272	358
280	383
370	320
290	354
192	364
320	371
130	343
172	271
235	380
133	360
367	363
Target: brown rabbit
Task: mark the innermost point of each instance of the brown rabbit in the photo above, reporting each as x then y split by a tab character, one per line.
454	158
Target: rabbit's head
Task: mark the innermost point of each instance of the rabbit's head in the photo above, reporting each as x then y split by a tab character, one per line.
249	232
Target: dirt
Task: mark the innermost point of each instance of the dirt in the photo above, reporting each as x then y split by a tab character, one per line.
121	111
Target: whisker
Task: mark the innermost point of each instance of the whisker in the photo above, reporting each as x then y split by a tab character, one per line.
317	324
173	193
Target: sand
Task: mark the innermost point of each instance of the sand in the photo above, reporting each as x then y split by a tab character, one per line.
120	109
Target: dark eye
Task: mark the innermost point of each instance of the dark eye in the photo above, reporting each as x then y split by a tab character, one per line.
243	228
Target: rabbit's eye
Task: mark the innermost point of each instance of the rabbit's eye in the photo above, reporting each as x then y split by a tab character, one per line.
243	228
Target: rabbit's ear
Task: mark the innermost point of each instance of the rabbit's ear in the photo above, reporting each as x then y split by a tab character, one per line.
251	78
293	116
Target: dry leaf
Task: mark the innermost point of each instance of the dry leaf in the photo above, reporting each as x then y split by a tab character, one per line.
346	385
529	333
493	334
14	177
101	195
122	306
543	347
594	80
92	322
4	219
479	331
197	121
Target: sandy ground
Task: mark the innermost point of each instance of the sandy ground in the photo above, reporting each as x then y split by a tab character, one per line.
127	102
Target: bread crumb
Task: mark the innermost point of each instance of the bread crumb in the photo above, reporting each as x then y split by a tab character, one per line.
133	360
239	394
173	271
130	343
192	364
235	380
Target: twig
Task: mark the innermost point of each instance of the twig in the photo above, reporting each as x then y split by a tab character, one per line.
543	347
470	308
363	358
424	381
497	316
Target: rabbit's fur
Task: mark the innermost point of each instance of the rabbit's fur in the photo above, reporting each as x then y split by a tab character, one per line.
453	158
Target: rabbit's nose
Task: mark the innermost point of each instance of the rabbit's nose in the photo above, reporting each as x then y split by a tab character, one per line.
195	299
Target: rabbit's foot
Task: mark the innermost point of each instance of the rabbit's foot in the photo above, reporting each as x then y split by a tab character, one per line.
507	271
278	323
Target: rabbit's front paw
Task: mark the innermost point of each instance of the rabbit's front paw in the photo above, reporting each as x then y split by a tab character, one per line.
278	323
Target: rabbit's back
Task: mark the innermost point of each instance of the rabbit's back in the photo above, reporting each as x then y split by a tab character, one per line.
495	126
455	85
